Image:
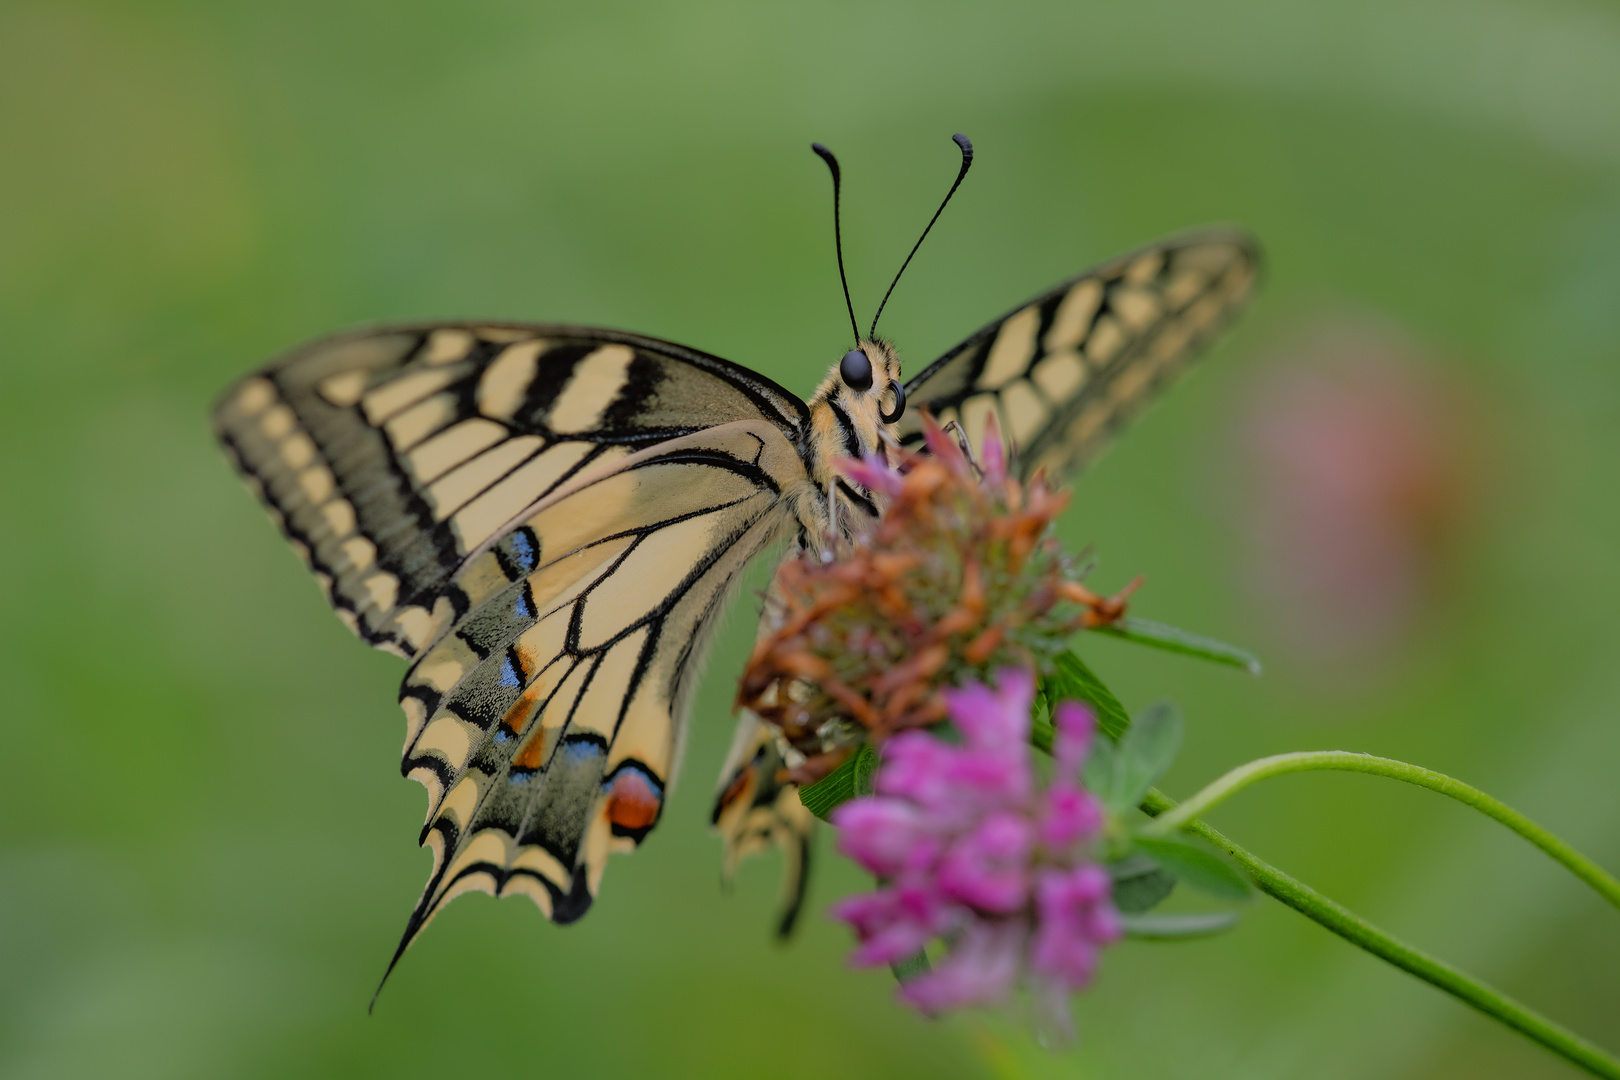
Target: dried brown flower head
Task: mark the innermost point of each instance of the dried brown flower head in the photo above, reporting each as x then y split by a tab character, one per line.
960	577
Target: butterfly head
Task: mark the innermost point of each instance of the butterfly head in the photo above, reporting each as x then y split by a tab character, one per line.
869	375
853	408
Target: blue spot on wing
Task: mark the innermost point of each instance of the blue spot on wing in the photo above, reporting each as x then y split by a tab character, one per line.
525	607
509	673
521	551
577	752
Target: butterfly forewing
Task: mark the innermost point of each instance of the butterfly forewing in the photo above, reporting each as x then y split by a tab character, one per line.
1064	372
389	456
546	521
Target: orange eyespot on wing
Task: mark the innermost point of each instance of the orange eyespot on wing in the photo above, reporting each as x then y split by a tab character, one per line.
634	800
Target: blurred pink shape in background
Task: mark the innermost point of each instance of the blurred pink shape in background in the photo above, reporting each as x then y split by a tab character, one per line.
1355	463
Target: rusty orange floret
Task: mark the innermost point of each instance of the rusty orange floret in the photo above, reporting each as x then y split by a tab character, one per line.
960	577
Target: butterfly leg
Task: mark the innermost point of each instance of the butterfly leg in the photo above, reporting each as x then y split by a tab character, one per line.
832	518
965	444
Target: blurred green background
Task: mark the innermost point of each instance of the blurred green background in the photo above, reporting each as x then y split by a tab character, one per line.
208	853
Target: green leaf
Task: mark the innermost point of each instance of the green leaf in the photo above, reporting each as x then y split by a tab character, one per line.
1075	680
1198	867
912	966
1171	639
1178	927
1097	775
852	778
863	768
1041	733
1146	751
1139	885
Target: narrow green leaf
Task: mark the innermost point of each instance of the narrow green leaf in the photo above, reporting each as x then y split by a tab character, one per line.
836	787
852	778
1139	884
1146	751
1041	734
1198	867
1178	927
1075	680
1171	639
864	769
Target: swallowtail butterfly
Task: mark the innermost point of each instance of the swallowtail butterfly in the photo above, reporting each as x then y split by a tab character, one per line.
545	521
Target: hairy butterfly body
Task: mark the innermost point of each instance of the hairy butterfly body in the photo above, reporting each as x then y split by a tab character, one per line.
546	521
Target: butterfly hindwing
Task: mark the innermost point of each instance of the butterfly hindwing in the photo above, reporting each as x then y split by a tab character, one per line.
545	722
388	456
1065	371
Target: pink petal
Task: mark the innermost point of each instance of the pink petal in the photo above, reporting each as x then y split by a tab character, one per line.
982	782
1071	815
989	868
1076	725
915	765
885	835
1075	918
992	451
892	923
994	719
942	445
871	472
980	969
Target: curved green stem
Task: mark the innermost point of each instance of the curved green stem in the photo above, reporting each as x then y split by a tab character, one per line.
1344	761
1356	930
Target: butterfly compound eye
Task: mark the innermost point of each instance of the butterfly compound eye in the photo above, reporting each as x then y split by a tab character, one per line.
856	370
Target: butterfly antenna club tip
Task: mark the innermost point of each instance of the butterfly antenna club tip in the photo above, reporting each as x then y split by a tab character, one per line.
838	234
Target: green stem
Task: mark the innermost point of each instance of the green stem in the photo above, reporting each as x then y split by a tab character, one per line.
1344	761
1319	909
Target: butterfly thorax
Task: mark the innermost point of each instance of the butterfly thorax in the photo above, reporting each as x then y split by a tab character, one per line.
846	421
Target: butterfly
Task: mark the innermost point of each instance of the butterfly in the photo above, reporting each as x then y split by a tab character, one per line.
546	521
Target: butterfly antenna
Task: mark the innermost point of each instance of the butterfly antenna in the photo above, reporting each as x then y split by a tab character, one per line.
966	147
838	237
